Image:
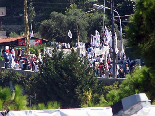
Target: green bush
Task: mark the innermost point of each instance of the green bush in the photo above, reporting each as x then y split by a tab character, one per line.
42	106
66	79
140	81
1	58
32	50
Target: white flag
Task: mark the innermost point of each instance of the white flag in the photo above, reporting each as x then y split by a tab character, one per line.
97	36
69	34
116	49
31	33
108	37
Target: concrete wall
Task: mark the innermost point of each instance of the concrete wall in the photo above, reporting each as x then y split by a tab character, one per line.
110	81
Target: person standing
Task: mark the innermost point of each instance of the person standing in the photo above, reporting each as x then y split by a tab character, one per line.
11	59
96	68
101	68
6	57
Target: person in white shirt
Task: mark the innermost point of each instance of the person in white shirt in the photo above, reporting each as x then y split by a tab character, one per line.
11	60
16	66
36	67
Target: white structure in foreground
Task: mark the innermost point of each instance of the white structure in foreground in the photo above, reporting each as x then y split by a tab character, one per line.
134	105
91	111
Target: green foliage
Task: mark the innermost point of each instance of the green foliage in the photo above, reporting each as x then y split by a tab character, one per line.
37	34
36	52
49	105
102	103
41	46
40	10
12	100
4	77
32	50
15	100
141	30
7	76
5	95
34	107
1	58
86	96
76	17
54	29
95	21
53	105
64	78
20	100
13	34
143	81
32	13
140	81
73	18
41	106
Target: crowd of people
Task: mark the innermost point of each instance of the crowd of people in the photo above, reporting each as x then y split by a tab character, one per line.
16	59
103	64
65	45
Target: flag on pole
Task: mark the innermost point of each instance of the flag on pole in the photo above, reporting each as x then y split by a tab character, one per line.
108	37
69	34
122	51
116	49
31	33
97	36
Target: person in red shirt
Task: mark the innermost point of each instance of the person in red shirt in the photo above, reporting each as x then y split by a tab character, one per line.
101	68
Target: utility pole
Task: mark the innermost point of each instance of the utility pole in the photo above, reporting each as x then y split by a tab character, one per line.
78	48
113	39
26	28
103	16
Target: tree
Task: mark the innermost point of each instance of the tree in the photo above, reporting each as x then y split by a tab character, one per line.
124	7
54	29
140	81
95	21
12	100
66	79
87	23
140	31
58	30
31	13
78	20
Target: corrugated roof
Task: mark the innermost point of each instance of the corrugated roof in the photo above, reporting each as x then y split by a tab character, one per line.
10	39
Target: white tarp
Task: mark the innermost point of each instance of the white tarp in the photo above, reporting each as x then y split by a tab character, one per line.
90	111
146	111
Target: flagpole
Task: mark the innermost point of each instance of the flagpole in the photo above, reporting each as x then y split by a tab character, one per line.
78	40
113	40
103	17
120	24
26	27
